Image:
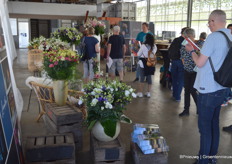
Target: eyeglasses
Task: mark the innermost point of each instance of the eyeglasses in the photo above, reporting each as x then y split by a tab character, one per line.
209	22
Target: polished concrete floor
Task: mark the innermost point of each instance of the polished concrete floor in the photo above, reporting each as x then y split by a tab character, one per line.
181	133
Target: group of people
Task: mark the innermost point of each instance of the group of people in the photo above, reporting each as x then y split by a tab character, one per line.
115	51
192	69
189	68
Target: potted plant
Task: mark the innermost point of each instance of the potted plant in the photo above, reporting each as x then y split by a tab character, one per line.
68	34
59	65
105	102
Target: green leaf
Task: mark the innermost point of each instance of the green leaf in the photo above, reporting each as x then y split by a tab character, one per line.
92	123
109	127
125	119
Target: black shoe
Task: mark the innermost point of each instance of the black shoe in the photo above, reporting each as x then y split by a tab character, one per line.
136	79
227	128
184	113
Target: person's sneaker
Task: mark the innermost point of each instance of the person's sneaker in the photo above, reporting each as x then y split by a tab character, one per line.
148	94
139	94
136	79
224	104
184	113
230	101
227	128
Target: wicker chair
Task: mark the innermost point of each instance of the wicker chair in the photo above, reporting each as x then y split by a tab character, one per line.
45	94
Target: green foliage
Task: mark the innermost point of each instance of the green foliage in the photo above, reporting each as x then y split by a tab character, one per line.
105	102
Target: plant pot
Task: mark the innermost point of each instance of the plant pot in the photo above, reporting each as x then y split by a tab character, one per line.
60	89
99	134
35	59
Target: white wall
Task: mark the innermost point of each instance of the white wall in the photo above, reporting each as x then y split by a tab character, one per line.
16	7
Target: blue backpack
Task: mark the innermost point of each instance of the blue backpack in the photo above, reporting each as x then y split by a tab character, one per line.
224	75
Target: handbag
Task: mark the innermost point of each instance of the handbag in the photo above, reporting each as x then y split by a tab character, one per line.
151	62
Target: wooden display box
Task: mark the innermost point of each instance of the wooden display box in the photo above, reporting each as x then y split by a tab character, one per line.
50	148
63	115
140	158
107	152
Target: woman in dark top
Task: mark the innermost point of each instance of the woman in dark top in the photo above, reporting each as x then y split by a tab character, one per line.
92	48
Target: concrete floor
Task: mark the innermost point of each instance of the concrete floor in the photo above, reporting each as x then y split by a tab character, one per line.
181	133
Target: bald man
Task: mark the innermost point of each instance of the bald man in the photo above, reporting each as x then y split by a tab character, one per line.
211	94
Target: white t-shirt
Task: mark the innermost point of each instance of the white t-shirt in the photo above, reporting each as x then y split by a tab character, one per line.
143	52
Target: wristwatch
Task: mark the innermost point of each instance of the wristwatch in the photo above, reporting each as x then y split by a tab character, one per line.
192	52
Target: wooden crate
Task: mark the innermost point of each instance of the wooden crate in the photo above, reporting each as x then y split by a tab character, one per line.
51	126
67	161
107	152
140	158
63	115
74	129
50	148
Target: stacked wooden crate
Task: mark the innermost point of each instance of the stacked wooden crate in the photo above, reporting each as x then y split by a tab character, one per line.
141	158
107	152
64	119
50	149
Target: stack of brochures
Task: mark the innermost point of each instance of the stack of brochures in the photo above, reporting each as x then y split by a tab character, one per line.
149	139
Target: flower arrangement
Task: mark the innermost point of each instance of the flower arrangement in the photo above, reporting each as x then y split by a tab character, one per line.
97	25
67	34
59	64
36	42
52	44
105	102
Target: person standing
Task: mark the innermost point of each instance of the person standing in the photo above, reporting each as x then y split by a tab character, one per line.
177	68
201	40
116	49
145	71
139	40
229	94
189	74
211	94
92	48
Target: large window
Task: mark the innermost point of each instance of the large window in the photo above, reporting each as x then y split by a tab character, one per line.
141	11
168	15
171	15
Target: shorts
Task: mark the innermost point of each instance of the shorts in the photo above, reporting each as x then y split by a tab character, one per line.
117	64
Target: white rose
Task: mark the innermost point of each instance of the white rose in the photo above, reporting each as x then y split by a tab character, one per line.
134	95
131	90
102	108
80	102
127	93
94	102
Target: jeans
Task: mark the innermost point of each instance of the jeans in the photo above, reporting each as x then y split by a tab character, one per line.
138	71
177	71
209	106
189	79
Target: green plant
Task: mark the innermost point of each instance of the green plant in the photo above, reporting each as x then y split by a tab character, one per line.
60	64
105	102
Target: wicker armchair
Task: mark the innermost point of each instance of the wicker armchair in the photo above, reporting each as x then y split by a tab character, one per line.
45	94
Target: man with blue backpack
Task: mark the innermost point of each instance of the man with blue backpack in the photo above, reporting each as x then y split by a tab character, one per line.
211	90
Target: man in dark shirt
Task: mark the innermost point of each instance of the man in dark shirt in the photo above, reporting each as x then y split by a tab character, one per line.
116	49
177	68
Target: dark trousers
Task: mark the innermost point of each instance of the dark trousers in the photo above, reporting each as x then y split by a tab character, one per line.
209	105
177	70
189	79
